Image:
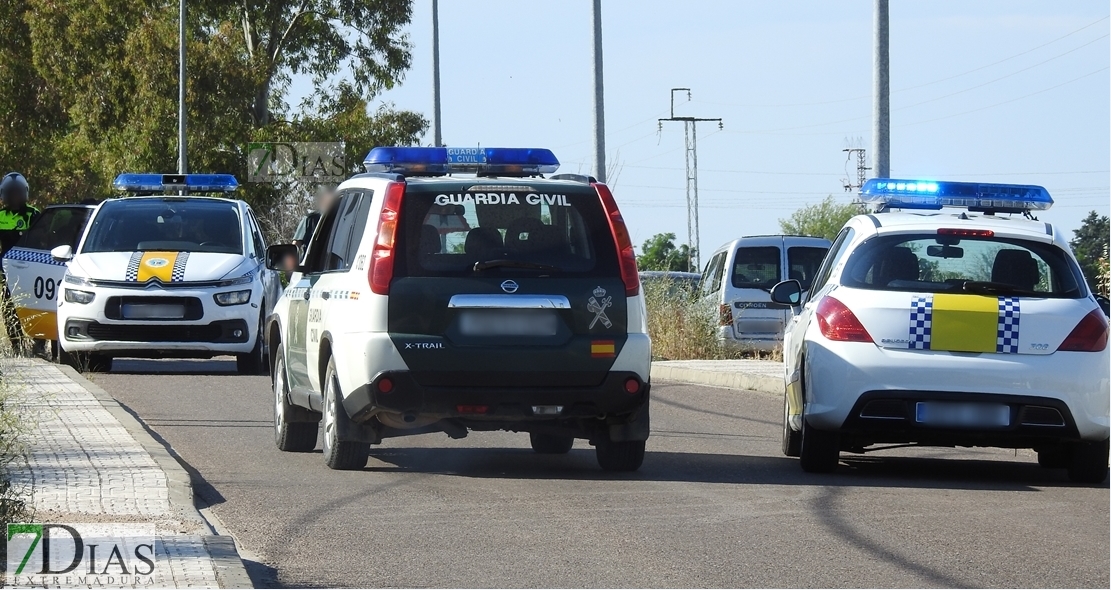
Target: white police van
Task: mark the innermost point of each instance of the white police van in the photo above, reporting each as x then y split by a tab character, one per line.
166	275
970	326
450	290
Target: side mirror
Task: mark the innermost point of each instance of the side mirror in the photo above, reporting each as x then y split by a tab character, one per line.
787	293
63	253
282	257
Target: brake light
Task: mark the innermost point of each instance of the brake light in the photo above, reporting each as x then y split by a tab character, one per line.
967	233
625	255
725	315
838	322
1090	335
382	255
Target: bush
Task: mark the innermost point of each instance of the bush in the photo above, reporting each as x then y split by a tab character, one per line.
681	327
13	501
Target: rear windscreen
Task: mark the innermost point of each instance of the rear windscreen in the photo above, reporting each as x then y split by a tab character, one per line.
803	263
756	267
510	230
943	263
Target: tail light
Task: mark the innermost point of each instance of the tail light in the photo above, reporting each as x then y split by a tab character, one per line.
382	255
838	322
625	255
1090	335
725	315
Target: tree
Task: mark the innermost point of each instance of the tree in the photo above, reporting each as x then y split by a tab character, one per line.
1090	244
659	253
822	220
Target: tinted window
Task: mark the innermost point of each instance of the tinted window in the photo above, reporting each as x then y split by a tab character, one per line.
990	265
347	230
756	267
517	231
257	240
60	226
803	263
836	252
713	273
176	225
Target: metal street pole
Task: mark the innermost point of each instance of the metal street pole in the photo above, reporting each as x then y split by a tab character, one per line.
599	99
182	165
437	137
881	92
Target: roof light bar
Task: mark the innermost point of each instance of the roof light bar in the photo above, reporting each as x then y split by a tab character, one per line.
888	193
157	183
438	161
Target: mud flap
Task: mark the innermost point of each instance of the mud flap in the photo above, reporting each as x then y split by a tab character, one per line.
637	428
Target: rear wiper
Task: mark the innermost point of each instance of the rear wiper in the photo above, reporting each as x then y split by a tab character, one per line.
994	288
513	264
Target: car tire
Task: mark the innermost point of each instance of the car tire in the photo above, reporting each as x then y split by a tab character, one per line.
819	450
1057	457
551	444
339	454
620	456
1089	462
295	437
254	362
792	440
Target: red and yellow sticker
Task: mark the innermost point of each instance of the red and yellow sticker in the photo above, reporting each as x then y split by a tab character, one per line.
602	349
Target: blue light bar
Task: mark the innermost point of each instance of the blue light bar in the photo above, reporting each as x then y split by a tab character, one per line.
157	183
438	161
889	193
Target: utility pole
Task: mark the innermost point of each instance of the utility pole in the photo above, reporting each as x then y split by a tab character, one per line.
437	137
690	136
881	93
861	169
182	165
599	99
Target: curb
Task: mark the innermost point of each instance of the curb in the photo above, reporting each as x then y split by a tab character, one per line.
729	379
230	571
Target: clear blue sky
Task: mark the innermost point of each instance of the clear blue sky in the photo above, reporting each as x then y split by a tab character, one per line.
998	90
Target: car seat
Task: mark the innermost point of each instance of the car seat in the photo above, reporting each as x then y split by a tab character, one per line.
481	241
1017	268
429	239
896	264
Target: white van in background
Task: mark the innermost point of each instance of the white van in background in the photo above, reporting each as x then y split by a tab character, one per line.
738	279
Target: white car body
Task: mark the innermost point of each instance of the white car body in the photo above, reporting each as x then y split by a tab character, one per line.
830	383
129	284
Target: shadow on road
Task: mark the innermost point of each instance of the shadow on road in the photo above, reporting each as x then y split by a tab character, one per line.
216	366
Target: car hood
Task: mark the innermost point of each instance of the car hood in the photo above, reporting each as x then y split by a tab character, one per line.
167	267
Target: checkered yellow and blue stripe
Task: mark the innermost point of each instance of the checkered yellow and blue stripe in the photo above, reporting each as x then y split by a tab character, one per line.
32	256
962	323
921	321
1007	339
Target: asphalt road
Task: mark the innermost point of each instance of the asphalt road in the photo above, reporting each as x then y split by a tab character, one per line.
715	504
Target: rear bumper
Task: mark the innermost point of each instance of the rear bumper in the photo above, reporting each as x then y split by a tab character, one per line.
763	343
514	404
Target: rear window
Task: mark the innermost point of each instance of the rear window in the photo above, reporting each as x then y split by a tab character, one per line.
504	230
939	263
175	225
57	226
803	263
756	267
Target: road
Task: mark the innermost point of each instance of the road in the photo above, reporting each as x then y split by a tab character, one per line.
715	504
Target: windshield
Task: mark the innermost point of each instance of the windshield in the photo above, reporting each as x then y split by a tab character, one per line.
510	231
946	264
756	267
173	225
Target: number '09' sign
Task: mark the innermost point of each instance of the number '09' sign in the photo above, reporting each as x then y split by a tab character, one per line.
45	288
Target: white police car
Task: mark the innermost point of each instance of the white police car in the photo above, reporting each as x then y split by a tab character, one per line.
167	276
964	326
434	301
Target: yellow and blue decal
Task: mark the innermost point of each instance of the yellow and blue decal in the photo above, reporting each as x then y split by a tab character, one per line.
964	323
167	267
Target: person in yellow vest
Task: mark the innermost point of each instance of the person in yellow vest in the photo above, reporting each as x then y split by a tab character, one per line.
16	216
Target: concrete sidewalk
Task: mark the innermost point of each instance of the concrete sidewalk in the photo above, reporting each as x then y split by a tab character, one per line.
89	460
751	375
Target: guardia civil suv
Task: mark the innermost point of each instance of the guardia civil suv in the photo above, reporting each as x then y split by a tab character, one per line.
450	290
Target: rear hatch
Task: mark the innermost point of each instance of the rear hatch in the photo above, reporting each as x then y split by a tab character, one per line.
756	269
506	283
968	293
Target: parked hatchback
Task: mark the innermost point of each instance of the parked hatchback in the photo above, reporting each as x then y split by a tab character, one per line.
739	277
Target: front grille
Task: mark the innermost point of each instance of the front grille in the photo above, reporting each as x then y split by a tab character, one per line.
163	333
194	309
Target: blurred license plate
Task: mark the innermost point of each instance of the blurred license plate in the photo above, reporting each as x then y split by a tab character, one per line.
508	322
962	415
152	311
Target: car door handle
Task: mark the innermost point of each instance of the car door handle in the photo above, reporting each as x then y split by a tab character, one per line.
325	295
307	294
17	263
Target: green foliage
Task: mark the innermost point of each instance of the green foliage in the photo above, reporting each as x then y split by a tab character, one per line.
822	220
83	98
660	253
1090	244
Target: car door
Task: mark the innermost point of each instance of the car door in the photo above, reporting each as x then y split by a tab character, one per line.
33	276
271	285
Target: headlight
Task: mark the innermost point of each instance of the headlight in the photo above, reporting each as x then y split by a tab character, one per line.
233	297
75	296
243	280
76	280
